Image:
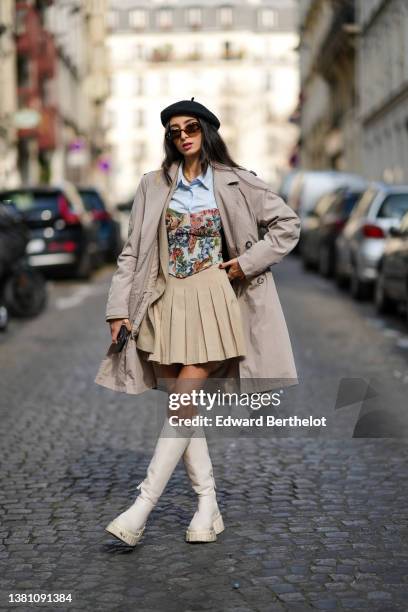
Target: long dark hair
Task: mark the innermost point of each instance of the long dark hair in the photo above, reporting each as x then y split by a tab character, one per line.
213	148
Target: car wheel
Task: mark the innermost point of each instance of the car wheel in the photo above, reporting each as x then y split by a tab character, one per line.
358	288
383	303
306	263
341	280
406	304
4	318
25	293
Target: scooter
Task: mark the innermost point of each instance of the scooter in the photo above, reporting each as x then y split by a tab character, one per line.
23	291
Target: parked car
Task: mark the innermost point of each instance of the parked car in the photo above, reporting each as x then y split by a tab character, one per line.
391	286
287	183
323	224
108	229
63	236
123	211
360	245
308	186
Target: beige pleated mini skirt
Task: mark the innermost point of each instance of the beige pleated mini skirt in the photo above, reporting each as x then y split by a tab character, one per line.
197	319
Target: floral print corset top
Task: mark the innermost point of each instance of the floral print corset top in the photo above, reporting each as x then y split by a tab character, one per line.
194	240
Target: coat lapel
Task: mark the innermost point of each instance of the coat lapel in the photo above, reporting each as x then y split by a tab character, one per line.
225	193
158	201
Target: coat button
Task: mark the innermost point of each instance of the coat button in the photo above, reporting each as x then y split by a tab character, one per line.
248	244
260	280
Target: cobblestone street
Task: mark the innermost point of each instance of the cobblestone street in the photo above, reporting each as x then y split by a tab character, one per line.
311	524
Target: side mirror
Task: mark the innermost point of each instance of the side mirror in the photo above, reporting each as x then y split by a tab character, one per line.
395	231
124	206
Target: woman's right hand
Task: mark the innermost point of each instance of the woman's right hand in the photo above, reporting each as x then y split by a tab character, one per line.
115	325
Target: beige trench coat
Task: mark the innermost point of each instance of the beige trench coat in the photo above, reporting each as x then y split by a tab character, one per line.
245	203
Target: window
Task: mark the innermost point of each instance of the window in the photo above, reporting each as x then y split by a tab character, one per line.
138	51
267	18
164	18
21	16
137	18
138	85
196	51
194	17
394	206
112	19
346	203
269	81
164	84
23	71
225	16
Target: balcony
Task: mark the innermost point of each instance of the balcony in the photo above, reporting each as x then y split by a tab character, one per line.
338	41
47	58
29	30
233	55
28	96
162	54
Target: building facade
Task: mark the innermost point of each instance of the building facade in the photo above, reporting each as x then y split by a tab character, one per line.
54	79
80	89
330	127
238	58
354	86
9	176
383	88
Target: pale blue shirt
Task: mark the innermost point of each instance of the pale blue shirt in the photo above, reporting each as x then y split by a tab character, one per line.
195	196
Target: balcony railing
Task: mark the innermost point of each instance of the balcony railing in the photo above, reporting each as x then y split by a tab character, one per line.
47	58
164	55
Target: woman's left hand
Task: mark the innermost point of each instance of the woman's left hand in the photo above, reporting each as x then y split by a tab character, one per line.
235	269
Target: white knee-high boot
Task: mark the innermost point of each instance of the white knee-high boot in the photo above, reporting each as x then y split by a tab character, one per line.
130	525
207	521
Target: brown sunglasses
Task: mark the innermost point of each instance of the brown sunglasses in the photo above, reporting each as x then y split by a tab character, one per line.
190	129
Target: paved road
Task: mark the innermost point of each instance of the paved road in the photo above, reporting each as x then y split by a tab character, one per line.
313	522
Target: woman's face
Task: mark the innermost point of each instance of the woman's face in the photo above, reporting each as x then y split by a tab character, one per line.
194	140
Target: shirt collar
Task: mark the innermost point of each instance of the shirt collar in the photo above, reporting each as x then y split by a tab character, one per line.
205	179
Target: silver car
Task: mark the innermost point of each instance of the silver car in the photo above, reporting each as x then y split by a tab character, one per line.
360	246
308	186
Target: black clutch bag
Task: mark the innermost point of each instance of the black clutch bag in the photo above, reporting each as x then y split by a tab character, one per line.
120	340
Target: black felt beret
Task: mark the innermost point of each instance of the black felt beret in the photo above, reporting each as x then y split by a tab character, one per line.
188	107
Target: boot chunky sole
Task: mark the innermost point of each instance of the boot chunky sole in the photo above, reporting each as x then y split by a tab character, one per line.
209	535
116	529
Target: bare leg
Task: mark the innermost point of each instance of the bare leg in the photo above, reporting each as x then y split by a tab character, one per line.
207	521
184	379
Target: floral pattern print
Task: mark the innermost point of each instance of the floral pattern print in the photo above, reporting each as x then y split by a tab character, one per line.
194	241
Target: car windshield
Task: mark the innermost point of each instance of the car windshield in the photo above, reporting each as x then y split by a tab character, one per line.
346	202
26	200
394	206
91	200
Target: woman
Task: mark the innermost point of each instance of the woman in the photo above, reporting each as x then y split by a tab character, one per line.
187	322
